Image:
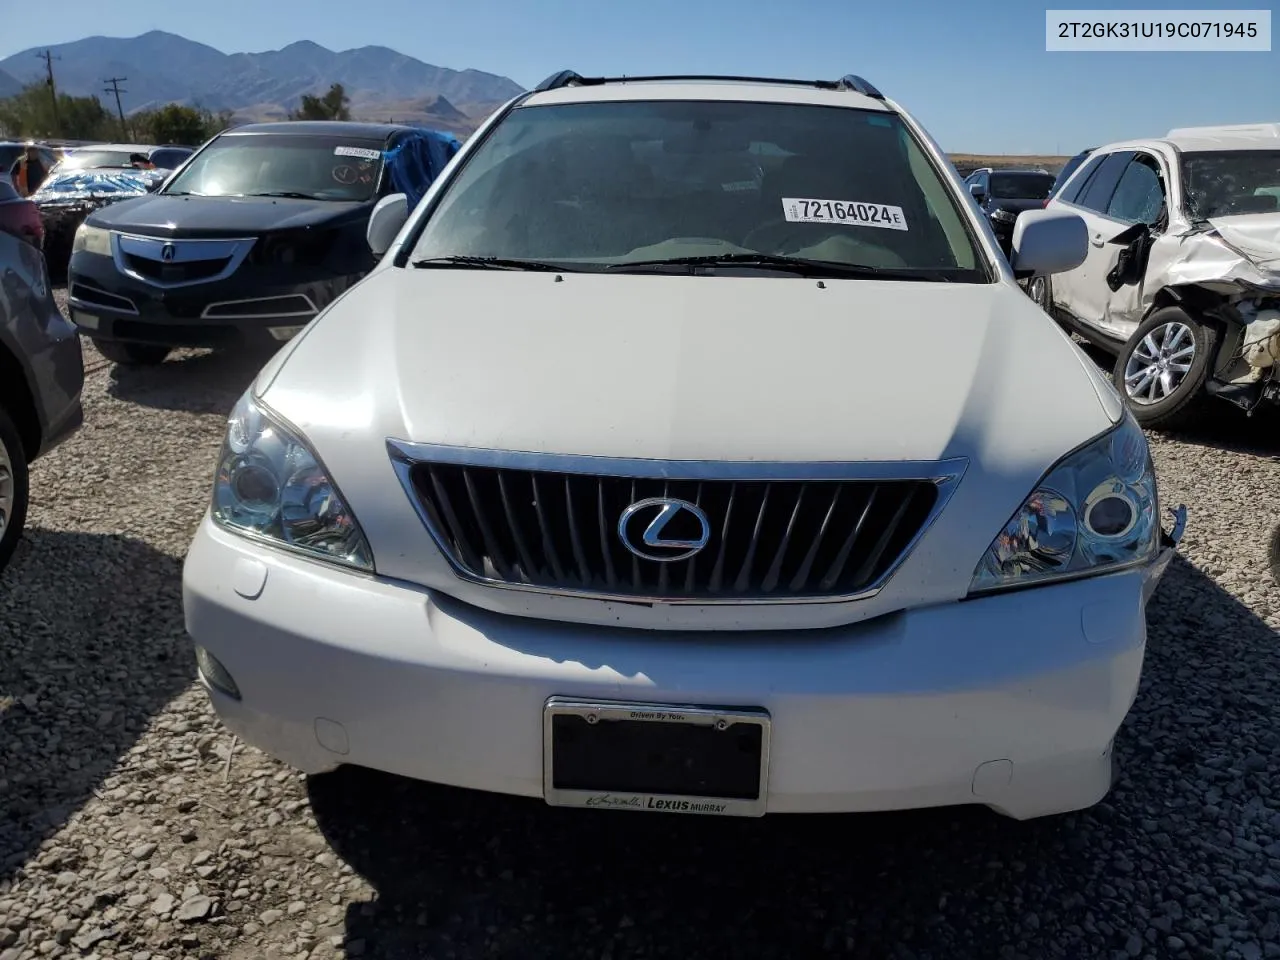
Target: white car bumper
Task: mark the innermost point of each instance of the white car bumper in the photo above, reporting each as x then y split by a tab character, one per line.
1011	701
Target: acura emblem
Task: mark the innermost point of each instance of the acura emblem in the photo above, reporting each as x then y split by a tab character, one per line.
168	252
664	529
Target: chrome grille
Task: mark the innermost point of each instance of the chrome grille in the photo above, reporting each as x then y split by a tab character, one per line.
777	534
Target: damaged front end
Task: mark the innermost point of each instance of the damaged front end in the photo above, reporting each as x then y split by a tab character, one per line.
1224	272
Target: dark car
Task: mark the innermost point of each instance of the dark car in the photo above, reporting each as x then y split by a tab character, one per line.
259	231
20	217
1068	169
1003	194
70	195
41	377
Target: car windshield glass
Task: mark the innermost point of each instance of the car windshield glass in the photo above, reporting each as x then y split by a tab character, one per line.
99	159
602	185
1021	186
1065	173
7	157
302	166
1223	183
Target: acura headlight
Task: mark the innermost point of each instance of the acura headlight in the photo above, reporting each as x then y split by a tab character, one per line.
1095	512
271	486
92	240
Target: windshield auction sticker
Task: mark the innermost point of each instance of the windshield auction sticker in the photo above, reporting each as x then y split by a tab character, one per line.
364	153
850	212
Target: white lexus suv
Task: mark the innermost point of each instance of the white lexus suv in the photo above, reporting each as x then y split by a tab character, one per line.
692	448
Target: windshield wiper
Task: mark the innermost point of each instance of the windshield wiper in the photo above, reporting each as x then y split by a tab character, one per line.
797	265
490	263
287	194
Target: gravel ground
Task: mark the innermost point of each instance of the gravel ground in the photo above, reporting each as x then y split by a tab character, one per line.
133	826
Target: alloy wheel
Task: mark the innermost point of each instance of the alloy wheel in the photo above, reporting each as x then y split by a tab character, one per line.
6	488
1159	363
1037	288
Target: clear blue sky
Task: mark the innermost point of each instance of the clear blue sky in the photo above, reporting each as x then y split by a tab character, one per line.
976	73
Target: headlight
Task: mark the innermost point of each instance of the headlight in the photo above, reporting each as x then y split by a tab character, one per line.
92	240
1004	216
270	486
1095	512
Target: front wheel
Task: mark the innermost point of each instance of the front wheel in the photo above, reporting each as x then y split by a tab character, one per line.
14	488
1163	366
1038	291
132	354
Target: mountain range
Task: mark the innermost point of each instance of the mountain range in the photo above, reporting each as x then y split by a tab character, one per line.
165	68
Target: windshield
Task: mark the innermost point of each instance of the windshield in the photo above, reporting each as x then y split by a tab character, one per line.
304	166
1223	183
604	185
1021	186
8	155
98	159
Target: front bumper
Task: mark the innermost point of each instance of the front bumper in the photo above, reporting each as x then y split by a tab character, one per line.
238	311
1011	701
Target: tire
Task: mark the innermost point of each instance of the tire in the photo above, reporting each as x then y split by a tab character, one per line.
132	354
14	488
1177	349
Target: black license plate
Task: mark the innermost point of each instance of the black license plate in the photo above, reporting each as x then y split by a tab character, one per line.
655	757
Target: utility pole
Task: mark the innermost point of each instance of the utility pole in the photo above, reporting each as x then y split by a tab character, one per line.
48	58
113	86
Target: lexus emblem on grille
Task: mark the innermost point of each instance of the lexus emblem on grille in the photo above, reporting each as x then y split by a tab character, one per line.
168	252
643	529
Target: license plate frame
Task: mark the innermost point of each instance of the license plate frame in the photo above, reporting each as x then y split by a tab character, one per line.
604	711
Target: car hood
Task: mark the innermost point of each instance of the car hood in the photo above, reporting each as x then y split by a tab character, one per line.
1257	235
159	215
690	368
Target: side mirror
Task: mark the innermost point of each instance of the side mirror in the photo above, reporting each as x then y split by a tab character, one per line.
976	191
385	222
1046	242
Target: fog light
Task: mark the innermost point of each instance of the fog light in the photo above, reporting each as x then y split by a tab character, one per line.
284	333
215	674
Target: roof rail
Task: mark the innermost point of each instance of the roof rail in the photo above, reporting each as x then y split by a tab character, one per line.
858	85
566	78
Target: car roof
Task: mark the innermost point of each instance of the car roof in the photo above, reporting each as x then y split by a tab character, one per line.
321	128
727	89
1251	136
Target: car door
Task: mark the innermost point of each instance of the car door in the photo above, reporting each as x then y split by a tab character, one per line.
1138	198
1083	291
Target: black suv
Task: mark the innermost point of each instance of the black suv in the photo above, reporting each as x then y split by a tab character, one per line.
41	376
1003	194
245	244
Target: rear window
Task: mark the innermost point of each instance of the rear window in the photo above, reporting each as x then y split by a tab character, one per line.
169	159
599	185
1020	186
300	166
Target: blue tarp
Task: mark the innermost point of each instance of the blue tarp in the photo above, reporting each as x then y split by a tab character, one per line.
417	159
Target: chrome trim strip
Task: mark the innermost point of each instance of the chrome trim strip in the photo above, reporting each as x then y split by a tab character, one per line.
185	251
945	474
595	711
207	313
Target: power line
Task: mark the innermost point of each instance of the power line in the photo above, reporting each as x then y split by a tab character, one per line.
113	86
48	58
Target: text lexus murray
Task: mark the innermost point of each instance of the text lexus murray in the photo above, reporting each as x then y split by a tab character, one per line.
629	479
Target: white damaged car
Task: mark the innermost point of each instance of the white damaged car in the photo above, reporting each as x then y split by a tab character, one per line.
692	448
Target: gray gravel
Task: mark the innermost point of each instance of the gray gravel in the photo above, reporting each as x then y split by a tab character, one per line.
133	826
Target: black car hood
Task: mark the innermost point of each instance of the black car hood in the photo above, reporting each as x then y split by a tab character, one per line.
161	216
1016	204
